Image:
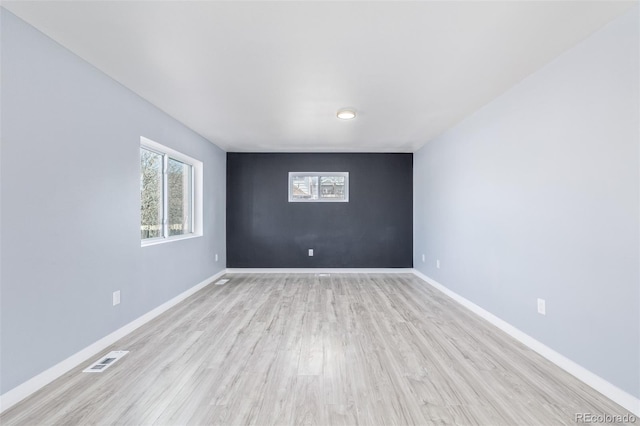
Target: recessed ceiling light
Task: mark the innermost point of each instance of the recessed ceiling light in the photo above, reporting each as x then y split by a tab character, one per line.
346	114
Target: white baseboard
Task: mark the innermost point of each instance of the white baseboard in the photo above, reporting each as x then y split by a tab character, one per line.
22	391
320	270
601	385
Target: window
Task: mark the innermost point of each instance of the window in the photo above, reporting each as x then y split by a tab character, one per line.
170	194
318	187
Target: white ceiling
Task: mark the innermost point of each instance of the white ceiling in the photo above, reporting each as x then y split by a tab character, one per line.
270	76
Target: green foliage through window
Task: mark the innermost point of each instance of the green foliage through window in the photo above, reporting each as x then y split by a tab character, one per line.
166	195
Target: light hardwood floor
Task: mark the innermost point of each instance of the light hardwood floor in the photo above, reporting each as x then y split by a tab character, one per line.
368	349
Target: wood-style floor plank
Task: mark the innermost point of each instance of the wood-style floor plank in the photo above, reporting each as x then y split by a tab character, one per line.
306	349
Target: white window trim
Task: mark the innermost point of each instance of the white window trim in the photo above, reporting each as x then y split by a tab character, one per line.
196	188
319	200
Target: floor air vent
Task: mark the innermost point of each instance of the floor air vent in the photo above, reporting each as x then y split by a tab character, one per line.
222	282
105	362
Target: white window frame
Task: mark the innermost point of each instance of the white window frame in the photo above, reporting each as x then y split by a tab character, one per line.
196	193
320	199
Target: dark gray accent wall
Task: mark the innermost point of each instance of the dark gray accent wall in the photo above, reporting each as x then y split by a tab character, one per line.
373	230
70	188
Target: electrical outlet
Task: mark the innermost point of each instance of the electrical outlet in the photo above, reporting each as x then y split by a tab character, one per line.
542	307
216	257
116	298
438	263
310	252
423	258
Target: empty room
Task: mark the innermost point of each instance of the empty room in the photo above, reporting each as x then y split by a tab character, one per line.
319	212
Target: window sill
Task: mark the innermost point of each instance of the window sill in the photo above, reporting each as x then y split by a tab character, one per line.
156	241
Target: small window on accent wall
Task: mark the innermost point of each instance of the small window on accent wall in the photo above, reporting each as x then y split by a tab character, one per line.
170	194
318	187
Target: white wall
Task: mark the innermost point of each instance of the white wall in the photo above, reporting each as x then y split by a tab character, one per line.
537	196
70	187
